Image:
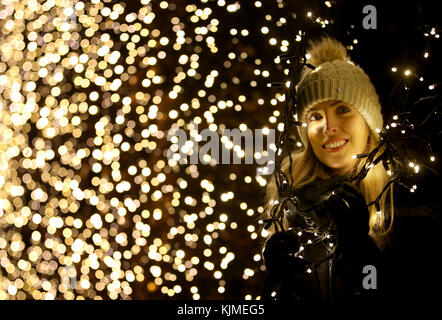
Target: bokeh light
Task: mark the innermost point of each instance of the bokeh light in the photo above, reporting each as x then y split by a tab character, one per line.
91	207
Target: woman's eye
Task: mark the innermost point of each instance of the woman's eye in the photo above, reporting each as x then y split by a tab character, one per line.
343	109
315	116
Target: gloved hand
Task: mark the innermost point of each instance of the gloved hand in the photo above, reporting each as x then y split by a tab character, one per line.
350	214
332	205
279	256
337	207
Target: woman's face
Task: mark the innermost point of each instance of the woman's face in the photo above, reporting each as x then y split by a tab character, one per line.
336	131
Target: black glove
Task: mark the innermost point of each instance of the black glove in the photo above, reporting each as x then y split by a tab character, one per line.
336	207
350	214
306	210
333	205
279	256
284	270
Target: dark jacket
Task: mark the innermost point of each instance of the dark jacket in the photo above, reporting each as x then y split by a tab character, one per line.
412	268
357	270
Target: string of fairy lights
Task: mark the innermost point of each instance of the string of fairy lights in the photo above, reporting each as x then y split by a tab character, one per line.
91	207
397	156
399	151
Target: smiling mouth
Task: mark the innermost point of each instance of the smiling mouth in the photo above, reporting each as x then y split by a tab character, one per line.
335	146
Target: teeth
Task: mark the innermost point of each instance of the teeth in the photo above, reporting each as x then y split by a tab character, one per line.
335	145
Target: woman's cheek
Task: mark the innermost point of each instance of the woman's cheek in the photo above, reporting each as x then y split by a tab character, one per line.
312	133
316	144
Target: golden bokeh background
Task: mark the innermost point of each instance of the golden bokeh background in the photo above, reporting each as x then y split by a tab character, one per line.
91	207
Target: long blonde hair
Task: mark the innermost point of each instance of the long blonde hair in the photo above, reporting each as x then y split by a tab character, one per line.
306	167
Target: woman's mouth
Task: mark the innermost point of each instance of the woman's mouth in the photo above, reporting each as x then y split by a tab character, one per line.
335	145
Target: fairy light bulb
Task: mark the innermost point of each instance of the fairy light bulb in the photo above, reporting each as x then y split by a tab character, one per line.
377	206
432	158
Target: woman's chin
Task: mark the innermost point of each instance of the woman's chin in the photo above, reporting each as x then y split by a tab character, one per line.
341	168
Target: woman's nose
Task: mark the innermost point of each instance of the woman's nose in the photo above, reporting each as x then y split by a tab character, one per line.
330	127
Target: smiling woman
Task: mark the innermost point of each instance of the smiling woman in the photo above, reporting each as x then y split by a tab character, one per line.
337	132
332	235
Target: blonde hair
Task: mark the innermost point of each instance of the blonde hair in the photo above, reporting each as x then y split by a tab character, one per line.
306	167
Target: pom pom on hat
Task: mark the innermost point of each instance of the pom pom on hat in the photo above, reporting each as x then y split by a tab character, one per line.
336	77
326	50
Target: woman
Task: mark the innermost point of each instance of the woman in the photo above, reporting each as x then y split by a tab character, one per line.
332	248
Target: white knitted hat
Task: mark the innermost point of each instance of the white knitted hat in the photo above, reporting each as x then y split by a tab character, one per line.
337	78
